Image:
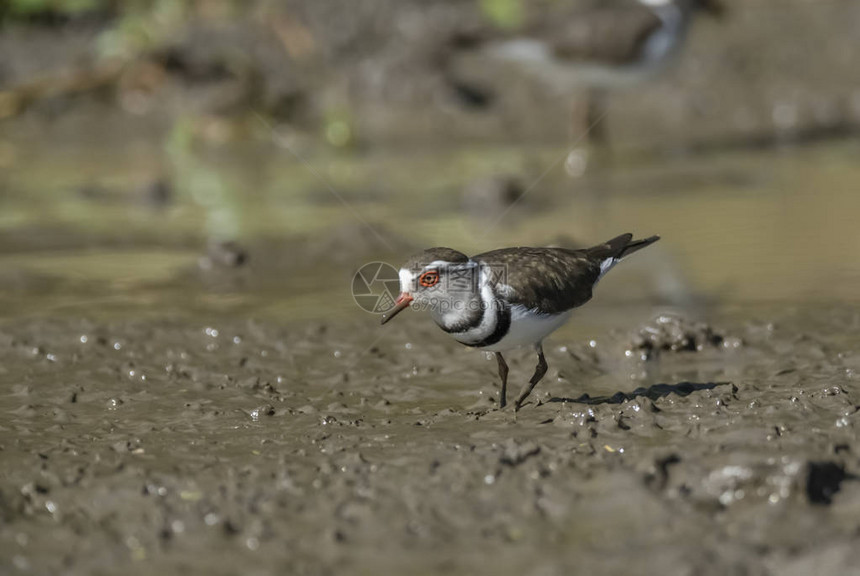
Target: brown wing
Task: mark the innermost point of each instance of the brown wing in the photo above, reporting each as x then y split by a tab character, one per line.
550	279
611	35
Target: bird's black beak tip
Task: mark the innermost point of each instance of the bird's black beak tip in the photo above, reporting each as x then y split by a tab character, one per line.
402	304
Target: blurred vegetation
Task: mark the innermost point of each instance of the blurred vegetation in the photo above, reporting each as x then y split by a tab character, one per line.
54	9
138	25
503	13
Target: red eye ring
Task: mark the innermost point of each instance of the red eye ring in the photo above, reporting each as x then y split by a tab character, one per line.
429	278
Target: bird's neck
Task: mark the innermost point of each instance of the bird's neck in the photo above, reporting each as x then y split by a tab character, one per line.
676	17
667	6
468	302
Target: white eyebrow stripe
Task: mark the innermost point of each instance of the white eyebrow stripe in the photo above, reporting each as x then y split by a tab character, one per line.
406	280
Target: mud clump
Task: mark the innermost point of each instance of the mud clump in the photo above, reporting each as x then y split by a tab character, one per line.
670	333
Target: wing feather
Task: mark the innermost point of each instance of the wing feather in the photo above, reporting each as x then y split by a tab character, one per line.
610	35
552	280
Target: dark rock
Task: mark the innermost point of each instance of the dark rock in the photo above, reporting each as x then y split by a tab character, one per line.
157	194
823	480
491	196
224	254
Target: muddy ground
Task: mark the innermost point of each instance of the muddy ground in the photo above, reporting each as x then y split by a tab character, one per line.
246	447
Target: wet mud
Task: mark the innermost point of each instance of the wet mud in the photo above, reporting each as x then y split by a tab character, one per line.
326	448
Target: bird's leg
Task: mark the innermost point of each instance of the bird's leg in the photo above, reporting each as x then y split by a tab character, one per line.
503	374
540	370
579	116
595	117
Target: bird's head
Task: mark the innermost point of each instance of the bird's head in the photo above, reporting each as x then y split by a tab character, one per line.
430	279
715	8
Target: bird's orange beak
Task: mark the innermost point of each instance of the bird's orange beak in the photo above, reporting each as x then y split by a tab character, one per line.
403	301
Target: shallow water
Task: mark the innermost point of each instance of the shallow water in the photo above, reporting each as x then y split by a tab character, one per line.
160	413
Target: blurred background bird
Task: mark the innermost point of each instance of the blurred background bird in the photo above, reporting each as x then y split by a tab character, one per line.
582	50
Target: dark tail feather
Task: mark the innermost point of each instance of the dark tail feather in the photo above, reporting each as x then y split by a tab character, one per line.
637	245
620	247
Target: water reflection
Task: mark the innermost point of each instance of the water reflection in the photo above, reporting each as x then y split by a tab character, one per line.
738	226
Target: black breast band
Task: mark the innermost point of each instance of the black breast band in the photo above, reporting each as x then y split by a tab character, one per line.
503	324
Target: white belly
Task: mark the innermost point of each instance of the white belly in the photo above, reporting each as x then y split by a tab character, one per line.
527	329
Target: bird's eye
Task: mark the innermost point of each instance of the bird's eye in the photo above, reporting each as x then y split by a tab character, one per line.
429	278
